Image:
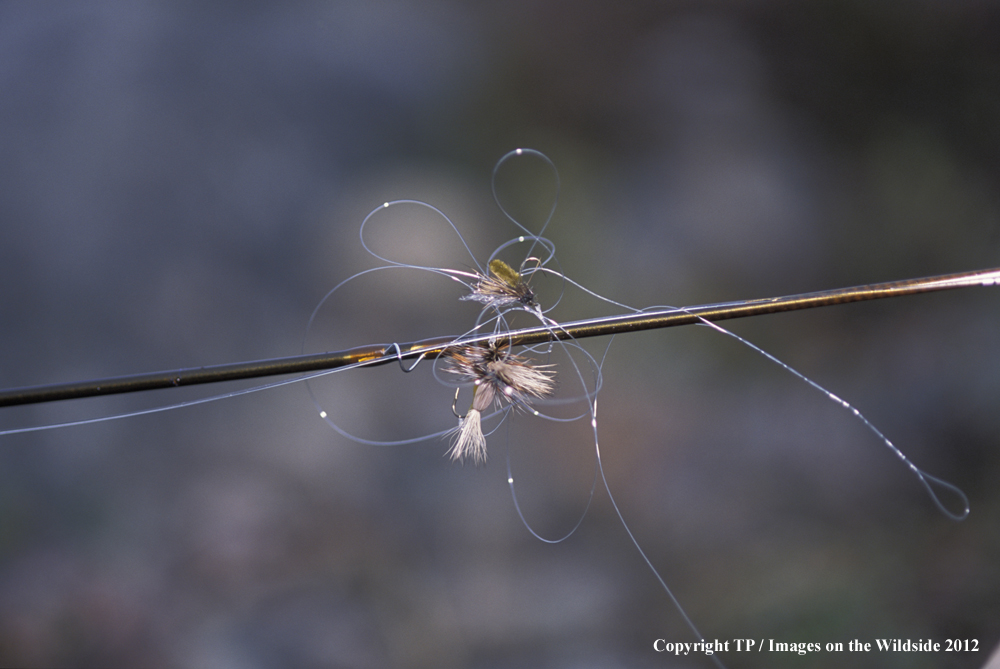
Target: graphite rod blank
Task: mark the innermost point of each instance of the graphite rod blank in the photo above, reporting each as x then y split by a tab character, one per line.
596	327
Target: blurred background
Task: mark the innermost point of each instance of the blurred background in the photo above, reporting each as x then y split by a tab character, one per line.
181	184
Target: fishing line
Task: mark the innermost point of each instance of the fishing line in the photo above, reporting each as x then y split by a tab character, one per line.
505	291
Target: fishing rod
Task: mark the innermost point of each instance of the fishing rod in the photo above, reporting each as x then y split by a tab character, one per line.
380	354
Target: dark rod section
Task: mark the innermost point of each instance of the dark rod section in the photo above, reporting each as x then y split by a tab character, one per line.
596	327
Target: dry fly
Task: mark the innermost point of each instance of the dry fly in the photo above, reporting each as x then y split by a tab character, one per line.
496	374
502	287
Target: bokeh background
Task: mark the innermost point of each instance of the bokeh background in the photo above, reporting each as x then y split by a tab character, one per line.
180	184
